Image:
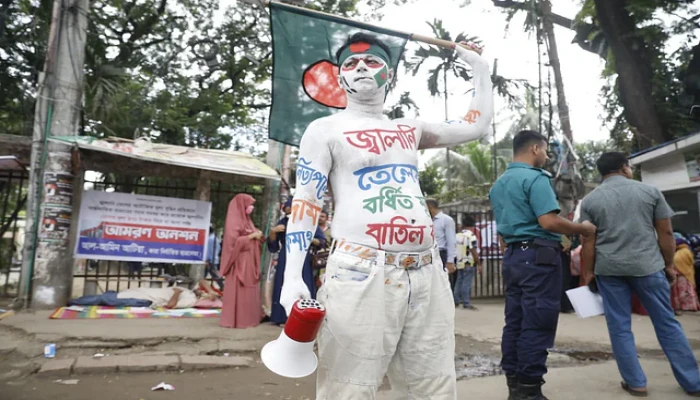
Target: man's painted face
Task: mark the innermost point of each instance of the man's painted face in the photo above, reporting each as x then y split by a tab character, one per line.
363	73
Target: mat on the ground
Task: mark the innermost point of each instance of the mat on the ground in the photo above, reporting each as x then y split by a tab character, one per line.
104	312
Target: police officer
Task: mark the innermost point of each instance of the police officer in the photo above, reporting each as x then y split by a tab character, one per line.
528	221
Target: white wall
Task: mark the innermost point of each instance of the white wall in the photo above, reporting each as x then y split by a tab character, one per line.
667	172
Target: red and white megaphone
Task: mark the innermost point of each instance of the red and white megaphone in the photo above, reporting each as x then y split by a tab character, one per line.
292	354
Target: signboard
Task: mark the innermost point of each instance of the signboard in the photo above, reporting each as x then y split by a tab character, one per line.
128	227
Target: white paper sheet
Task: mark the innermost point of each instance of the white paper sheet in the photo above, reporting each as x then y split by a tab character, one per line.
586	303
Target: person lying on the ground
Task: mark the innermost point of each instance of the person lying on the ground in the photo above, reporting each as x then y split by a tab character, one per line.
169	297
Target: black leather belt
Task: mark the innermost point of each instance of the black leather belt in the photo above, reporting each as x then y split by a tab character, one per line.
535	243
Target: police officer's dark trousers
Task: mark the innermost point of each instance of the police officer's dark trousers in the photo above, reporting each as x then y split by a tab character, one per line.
532	276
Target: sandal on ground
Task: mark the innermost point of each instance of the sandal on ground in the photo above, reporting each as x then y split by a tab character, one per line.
633	392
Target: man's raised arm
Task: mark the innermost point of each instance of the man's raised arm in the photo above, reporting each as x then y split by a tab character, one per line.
313	167
475	124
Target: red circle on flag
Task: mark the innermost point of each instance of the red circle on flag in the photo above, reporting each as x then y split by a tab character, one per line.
320	82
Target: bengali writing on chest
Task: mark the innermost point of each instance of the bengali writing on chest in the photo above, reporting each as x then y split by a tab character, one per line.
389	178
397	231
378	141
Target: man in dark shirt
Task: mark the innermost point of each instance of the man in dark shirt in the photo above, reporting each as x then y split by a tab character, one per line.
528	221
633	252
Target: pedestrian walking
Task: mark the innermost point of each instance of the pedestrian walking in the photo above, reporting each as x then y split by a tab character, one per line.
633	253
468	263
445	235
528	221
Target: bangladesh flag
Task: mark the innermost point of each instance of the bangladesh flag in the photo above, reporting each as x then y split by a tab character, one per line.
304	76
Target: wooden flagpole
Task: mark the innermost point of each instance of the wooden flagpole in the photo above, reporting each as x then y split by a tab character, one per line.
419	38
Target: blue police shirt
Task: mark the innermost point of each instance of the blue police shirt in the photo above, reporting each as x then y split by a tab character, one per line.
521	195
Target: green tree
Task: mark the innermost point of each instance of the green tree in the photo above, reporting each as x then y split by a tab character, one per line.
647	95
471	168
652	58
449	64
156	68
430	180
588	153
538	19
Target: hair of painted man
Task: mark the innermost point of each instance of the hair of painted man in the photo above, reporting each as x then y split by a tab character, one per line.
612	162
361	37
524	139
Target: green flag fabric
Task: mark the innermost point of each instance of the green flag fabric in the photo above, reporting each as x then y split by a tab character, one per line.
304	76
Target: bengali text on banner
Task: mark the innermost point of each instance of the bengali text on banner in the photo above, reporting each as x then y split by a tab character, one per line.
129	227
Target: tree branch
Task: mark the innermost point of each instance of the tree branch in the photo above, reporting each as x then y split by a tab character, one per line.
253	106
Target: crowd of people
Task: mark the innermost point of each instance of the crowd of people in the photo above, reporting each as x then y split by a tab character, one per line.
233	263
628	253
388	307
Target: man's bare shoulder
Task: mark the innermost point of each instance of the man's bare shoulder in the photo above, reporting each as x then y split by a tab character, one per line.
320	124
407	121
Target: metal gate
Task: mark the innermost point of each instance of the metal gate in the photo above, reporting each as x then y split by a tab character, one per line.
489	283
91	276
13	198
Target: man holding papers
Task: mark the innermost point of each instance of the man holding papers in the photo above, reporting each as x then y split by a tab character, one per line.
632	252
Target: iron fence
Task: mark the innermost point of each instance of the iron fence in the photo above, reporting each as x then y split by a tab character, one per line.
91	276
13	198
489	283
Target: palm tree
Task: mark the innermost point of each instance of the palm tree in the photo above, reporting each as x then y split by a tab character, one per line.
449	64
471	166
404	104
539	18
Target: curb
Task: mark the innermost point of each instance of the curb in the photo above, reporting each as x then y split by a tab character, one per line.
136	363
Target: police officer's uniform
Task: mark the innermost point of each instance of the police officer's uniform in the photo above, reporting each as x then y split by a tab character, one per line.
531	270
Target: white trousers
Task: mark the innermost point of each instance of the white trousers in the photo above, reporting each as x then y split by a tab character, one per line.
383	320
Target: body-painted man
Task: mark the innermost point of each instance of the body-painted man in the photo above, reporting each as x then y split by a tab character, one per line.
388	299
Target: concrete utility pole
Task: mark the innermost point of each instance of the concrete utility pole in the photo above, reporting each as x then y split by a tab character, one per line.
47	268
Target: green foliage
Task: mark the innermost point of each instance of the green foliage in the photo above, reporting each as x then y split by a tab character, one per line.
667	30
449	62
472	168
588	153
156	68
431	181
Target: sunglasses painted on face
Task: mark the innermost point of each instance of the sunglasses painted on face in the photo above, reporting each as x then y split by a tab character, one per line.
370	61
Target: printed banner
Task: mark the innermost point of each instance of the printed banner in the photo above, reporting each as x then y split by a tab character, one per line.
128	227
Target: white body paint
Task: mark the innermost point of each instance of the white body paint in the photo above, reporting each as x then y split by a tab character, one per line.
326	148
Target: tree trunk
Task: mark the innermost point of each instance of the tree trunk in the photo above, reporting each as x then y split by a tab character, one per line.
556	66
633	66
581	28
